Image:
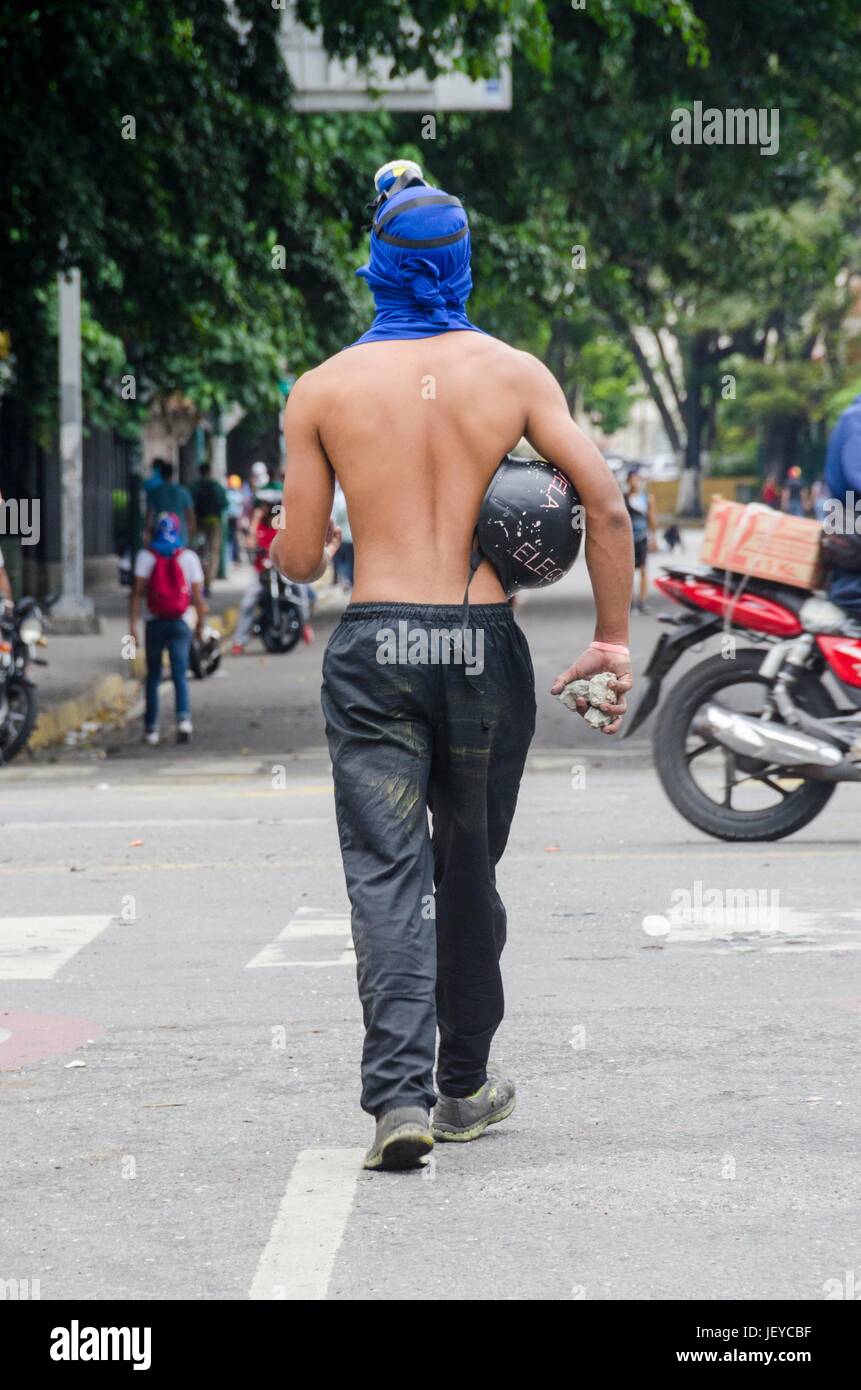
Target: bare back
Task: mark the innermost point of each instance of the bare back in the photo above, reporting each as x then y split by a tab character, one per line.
414	430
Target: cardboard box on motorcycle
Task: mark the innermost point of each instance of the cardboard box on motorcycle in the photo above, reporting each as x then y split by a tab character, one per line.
756	540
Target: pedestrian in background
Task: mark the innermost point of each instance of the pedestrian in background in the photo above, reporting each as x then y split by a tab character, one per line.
155	479
235	508
173	498
770	494
794	498
344	559
210	504
171	578
641	510
261	534
818	500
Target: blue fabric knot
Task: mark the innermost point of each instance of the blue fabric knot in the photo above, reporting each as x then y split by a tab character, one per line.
419	292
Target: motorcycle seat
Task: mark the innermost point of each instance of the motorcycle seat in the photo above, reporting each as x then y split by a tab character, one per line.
791	598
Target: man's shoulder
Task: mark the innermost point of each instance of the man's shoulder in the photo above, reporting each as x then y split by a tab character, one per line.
189	562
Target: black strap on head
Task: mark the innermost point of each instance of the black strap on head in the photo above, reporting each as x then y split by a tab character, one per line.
416	244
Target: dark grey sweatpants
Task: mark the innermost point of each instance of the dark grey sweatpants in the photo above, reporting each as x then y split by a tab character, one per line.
408	732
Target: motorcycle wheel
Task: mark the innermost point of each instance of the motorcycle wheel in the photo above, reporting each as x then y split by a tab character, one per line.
284	637
20	718
800	800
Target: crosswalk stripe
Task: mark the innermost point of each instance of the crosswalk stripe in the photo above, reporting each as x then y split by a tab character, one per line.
35	948
303	1244
307	924
158	823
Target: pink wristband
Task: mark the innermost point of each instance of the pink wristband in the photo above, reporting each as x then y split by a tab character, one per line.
610	647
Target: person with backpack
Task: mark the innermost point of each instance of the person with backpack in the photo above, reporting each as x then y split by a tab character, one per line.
210	504
171	578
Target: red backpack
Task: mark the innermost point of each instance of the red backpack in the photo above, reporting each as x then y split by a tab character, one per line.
168	591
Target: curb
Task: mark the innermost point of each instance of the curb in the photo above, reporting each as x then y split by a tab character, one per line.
107	696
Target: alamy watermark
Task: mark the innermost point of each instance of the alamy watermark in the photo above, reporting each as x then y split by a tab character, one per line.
734	126
21	518
431	646
750	909
842	515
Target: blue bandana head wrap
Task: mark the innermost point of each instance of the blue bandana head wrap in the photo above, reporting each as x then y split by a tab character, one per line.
418	269
167	537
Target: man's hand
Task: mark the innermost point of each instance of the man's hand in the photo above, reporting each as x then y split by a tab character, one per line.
588	665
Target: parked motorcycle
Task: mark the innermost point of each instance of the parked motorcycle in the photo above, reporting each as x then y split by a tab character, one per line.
283	609
750	744
20	633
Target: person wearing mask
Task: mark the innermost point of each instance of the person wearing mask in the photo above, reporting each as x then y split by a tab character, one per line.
170	578
428	922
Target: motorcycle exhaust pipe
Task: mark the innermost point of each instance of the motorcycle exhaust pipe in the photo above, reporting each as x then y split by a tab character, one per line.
775	743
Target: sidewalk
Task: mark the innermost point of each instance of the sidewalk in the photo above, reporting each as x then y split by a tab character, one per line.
88	681
88	684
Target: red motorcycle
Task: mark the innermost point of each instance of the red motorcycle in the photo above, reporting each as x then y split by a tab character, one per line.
750	743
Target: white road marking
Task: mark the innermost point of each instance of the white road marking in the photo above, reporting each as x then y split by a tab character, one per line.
778	930
35	948
169	823
303	1244
307	924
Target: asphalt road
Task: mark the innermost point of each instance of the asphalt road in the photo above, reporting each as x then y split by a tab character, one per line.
180	1033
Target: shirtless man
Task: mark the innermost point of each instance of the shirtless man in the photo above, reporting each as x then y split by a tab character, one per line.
413	421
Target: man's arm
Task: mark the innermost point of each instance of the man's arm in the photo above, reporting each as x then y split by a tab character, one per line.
137	593
309	485
5	585
609	544
200	606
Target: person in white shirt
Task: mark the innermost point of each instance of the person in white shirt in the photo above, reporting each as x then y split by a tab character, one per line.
171	578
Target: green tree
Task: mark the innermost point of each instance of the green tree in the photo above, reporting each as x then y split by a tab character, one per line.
586	158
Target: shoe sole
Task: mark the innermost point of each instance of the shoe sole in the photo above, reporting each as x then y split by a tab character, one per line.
402	1149
463	1136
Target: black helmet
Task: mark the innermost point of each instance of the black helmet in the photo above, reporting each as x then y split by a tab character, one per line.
530	525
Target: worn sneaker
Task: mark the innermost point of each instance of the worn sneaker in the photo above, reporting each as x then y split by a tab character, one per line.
462	1118
183	731
151	737
237	649
403	1139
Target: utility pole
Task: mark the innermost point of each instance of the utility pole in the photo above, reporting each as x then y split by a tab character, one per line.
73	612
